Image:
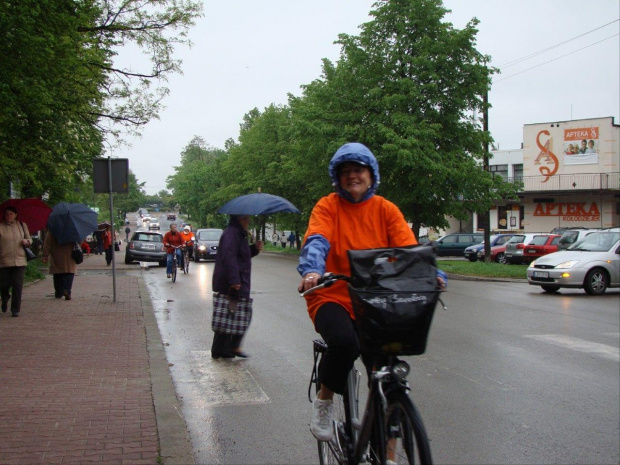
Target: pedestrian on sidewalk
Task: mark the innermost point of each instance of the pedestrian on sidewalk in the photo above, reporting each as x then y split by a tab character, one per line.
127	231
283	239
231	277
14	236
62	265
107	244
291	240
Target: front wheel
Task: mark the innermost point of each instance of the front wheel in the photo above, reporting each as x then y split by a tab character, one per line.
405	435
186	264
500	258
550	289
596	282
174	271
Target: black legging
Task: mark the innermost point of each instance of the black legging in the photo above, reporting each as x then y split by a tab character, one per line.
337	329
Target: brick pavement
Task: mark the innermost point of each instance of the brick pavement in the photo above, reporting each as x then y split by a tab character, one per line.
86	380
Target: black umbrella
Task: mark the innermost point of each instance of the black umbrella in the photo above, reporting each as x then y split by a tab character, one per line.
71	222
258	204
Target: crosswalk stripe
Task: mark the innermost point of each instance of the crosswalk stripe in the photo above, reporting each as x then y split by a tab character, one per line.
580	345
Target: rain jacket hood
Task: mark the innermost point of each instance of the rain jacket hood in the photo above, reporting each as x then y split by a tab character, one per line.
356	153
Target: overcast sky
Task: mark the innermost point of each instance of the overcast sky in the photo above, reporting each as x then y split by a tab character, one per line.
251	53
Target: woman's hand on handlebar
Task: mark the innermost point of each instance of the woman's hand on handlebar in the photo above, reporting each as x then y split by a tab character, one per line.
307	281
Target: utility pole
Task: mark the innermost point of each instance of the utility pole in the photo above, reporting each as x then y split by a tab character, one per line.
487	223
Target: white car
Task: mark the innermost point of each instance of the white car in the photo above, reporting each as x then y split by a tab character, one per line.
153	224
592	264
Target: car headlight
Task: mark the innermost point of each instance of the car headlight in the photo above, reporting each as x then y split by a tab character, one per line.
202	248
568	264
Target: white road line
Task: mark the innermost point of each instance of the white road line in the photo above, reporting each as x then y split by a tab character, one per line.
580	345
226	381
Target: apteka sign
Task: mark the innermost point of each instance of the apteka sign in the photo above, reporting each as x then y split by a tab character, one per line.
569	211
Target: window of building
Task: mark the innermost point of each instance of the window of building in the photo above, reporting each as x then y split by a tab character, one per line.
501	170
517	172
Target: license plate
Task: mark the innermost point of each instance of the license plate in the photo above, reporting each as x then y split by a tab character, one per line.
531	251
148	247
541	274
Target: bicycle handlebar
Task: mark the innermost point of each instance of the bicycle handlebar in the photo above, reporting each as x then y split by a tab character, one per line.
326	281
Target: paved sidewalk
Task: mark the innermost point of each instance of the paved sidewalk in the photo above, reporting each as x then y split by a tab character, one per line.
86	380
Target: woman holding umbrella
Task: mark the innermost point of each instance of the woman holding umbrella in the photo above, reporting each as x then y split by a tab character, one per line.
231	277
62	265
14	236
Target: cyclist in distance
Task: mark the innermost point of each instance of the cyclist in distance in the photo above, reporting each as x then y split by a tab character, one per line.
188	240
172	239
352	218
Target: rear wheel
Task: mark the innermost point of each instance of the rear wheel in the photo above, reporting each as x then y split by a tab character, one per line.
550	289
500	258
128	260
596	282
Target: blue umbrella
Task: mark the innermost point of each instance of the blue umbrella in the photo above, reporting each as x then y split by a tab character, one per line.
71	222
258	204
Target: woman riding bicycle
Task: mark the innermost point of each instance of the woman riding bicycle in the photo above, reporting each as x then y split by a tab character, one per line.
352	218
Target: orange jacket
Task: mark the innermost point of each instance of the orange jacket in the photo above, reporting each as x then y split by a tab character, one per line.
187	237
370	224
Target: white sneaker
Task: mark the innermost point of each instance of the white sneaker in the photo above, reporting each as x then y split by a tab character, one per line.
321	423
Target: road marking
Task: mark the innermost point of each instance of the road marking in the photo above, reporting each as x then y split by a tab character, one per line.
225	381
580	345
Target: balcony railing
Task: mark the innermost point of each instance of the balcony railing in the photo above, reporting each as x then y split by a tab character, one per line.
569	182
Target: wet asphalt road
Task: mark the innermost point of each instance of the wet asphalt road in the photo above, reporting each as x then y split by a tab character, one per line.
511	375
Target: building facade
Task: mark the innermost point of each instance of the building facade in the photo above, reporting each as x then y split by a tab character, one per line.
570	171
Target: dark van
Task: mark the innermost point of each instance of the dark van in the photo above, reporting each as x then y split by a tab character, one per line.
455	244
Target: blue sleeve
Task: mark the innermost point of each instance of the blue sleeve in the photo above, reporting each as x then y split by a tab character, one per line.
313	255
442	274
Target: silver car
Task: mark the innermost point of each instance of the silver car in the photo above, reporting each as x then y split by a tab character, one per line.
592	264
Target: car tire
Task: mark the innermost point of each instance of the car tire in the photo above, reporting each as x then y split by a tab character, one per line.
196	259
500	258
473	259
162	263
596	281
128	261
550	289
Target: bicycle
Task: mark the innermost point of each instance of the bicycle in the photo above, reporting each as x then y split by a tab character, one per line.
185	259
175	263
391	429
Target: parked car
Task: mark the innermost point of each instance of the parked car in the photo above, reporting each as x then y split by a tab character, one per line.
455	244
592	264
206	244
498	254
515	246
539	246
571	236
146	246
171	217
471	252
154	224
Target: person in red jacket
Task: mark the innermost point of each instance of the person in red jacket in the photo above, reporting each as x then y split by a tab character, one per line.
107	244
172	239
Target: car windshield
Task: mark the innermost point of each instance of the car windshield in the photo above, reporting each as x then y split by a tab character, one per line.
538	240
596	242
209	235
516	240
144	237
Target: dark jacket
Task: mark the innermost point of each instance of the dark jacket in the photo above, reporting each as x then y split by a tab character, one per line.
233	262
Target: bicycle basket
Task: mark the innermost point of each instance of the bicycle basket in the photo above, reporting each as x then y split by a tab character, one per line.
394	294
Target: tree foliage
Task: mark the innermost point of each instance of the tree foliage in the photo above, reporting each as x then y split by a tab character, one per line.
61	94
411	87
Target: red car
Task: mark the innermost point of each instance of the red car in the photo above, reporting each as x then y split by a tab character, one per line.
539	246
497	254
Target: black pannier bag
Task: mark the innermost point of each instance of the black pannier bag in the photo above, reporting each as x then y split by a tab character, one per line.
394	293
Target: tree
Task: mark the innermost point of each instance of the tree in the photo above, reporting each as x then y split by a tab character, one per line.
409	87
61	94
